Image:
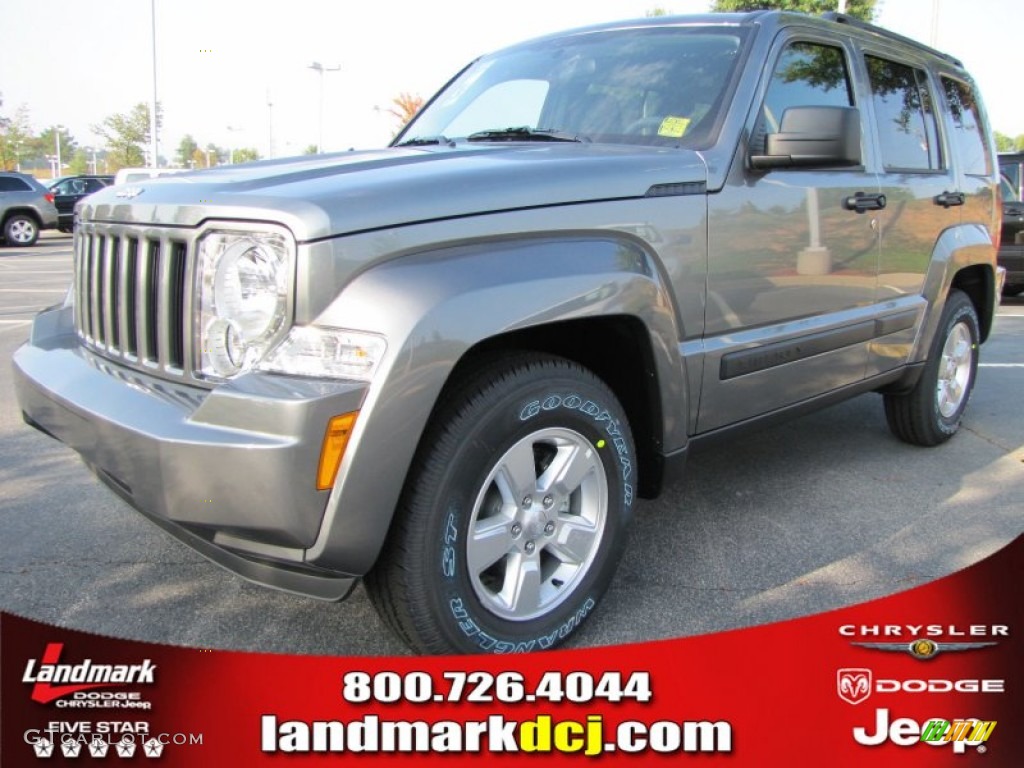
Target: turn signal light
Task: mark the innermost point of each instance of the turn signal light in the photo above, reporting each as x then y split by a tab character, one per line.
339	429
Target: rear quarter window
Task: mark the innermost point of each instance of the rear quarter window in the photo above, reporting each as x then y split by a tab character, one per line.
9	184
969	129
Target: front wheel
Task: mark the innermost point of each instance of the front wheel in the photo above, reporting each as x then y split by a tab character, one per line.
20	230
515	513
931	412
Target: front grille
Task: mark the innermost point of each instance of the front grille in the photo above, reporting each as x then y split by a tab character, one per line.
131	296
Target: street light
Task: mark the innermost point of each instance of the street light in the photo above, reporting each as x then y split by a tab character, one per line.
231	143
154	144
270	126
56	140
316	66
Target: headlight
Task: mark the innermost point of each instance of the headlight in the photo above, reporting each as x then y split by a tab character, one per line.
244	284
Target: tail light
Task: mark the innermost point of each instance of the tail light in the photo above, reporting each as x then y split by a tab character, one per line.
49	197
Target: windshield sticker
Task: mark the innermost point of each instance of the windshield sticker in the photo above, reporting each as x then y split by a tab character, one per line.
674	127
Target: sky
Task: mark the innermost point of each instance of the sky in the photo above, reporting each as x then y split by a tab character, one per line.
237	73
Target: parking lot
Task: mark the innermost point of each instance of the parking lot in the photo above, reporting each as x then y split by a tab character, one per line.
819	513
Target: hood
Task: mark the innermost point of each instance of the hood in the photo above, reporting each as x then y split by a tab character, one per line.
330	195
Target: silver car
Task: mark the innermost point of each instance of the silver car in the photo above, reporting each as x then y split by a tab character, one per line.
26	208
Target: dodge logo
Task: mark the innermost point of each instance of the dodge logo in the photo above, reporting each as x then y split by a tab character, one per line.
853	685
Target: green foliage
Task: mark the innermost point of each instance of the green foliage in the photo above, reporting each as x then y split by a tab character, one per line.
245	155
1006	143
17	144
126	134
79	163
185	156
658	10
860	9
310	150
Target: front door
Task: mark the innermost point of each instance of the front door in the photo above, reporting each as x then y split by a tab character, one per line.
792	267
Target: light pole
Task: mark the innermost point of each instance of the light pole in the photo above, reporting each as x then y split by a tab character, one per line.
231	145
320	68
154	145
17	156
270	126
56	140
208	150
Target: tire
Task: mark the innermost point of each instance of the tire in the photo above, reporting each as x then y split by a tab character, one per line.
491	550
21	230
931	412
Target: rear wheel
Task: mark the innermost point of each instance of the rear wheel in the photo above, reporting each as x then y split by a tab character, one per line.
514	515
931	412
21	230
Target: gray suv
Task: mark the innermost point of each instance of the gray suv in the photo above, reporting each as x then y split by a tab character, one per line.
451	367
26	207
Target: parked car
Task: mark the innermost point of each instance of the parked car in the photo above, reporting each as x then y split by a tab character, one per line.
126	175
453	366
1011	165
1011	246
26	208
68	191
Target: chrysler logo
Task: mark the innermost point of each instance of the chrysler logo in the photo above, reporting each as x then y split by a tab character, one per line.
853	685
129	192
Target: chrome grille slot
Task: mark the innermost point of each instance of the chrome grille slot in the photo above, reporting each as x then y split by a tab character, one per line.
131	295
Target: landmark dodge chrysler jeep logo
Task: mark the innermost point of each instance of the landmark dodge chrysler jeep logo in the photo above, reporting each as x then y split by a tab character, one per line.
79	677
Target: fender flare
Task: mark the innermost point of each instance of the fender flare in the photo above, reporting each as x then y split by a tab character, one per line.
433	307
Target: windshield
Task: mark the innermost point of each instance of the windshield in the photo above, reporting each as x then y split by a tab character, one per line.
660	85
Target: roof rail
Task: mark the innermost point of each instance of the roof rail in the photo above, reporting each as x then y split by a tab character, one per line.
842	18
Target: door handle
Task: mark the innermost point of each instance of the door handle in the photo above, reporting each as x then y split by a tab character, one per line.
862	202
949	199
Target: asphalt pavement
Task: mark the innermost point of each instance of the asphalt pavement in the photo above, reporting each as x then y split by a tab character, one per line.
819	513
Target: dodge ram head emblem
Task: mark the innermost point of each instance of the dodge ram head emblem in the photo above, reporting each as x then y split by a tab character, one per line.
853	685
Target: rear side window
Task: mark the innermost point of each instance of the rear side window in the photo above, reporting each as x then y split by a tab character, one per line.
12	184
969	129
907	129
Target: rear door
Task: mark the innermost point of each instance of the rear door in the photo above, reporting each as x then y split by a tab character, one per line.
923	194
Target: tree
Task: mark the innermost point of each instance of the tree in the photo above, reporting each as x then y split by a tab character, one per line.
245	155
405	106
126	134
860	9
658	10
187	149
46	144
79	163
311	150
17	144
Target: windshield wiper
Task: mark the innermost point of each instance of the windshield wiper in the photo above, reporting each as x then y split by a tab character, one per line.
524	133
422	141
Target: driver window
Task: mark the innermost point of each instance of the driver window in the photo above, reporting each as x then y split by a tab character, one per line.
806	75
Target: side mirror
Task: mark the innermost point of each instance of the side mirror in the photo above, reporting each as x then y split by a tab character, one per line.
813	137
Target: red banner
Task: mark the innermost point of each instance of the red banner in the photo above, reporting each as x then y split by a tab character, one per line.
930	677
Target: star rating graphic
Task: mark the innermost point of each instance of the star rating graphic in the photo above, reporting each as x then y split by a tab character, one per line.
98	747
125	748
153	748
43	748
71	748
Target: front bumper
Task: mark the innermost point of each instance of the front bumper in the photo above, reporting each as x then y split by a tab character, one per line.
229	471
